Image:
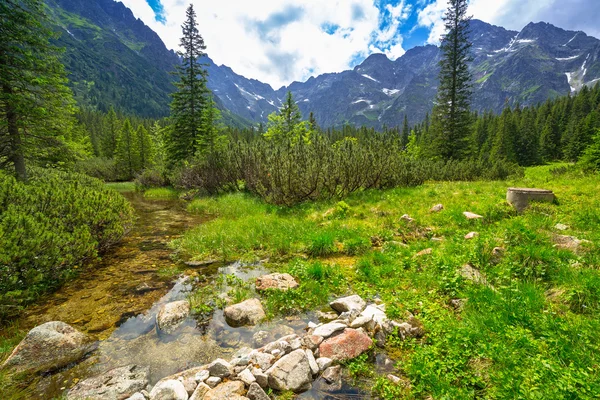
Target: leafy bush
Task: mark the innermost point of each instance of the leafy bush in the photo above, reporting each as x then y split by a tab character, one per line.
52	224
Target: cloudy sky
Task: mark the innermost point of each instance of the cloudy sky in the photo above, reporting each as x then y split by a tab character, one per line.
281	41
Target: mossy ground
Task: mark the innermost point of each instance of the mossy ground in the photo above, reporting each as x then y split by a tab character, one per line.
531	332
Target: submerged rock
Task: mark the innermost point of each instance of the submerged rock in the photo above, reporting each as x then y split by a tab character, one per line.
249	312
171	315
116	384
276	281
291	372
48	347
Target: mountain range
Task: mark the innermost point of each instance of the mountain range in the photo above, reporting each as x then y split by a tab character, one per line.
113	58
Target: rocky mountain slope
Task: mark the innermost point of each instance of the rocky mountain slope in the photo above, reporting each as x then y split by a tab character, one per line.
113	58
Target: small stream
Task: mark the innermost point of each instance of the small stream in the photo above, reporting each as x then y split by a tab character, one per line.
116	299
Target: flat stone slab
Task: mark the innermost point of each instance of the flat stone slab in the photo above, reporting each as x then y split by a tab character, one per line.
519	198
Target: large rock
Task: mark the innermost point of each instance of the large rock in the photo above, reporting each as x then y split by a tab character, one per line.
171	315
291	372
249	312
231	390
344	304
48	347
169	390
375	312
116	384
276	281
349	344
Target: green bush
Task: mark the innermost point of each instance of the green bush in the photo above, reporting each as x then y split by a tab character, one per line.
49	226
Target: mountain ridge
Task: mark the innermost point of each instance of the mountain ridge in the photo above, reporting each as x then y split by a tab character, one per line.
114	58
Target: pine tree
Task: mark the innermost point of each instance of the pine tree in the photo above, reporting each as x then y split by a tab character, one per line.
212	141
451	120
112	129
145	148
189	101
405	132
36	106
312	122
127	152
590	159
287	125
158	143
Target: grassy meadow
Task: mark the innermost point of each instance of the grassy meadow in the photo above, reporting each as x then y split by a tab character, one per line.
527	328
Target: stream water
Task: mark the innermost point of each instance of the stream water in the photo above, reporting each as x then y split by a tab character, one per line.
116	301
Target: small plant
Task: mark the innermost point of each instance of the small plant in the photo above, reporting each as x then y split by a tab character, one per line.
322	244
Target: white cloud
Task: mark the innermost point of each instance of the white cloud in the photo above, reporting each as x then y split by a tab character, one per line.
249	36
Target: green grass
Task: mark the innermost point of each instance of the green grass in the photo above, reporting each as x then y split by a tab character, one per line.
121	186
161	193
531	332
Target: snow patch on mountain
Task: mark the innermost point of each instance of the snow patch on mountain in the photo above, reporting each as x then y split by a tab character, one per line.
390	92
370	77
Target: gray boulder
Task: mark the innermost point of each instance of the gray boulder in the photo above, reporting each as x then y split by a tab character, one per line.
169	390
344	304
171	315
116	384
291	372
249	312
48	347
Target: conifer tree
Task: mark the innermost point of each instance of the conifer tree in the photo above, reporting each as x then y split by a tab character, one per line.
405	132
451	120
158	143
36	106
189	101
212	140
127	152
145	147
112	129
287	125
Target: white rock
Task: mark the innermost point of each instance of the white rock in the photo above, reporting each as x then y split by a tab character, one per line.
312	325
471	235
376	313
361	320
329	329
169	390
263	360
348	303
213	381
324	363
171	315
291	372
314	367
201	376
247	377
137	396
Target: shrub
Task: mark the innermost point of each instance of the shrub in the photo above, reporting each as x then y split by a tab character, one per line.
151	178
101	168
52	224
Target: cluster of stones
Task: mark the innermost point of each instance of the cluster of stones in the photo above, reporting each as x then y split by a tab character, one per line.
290	363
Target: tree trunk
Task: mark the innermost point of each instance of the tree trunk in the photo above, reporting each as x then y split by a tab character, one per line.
16	155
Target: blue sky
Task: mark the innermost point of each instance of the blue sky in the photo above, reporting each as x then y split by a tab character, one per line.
279	41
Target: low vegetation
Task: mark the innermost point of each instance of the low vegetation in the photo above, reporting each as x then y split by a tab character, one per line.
530	320
49	226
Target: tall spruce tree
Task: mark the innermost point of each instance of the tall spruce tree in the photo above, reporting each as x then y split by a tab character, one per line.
190	99
36	106
452	120
127	155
